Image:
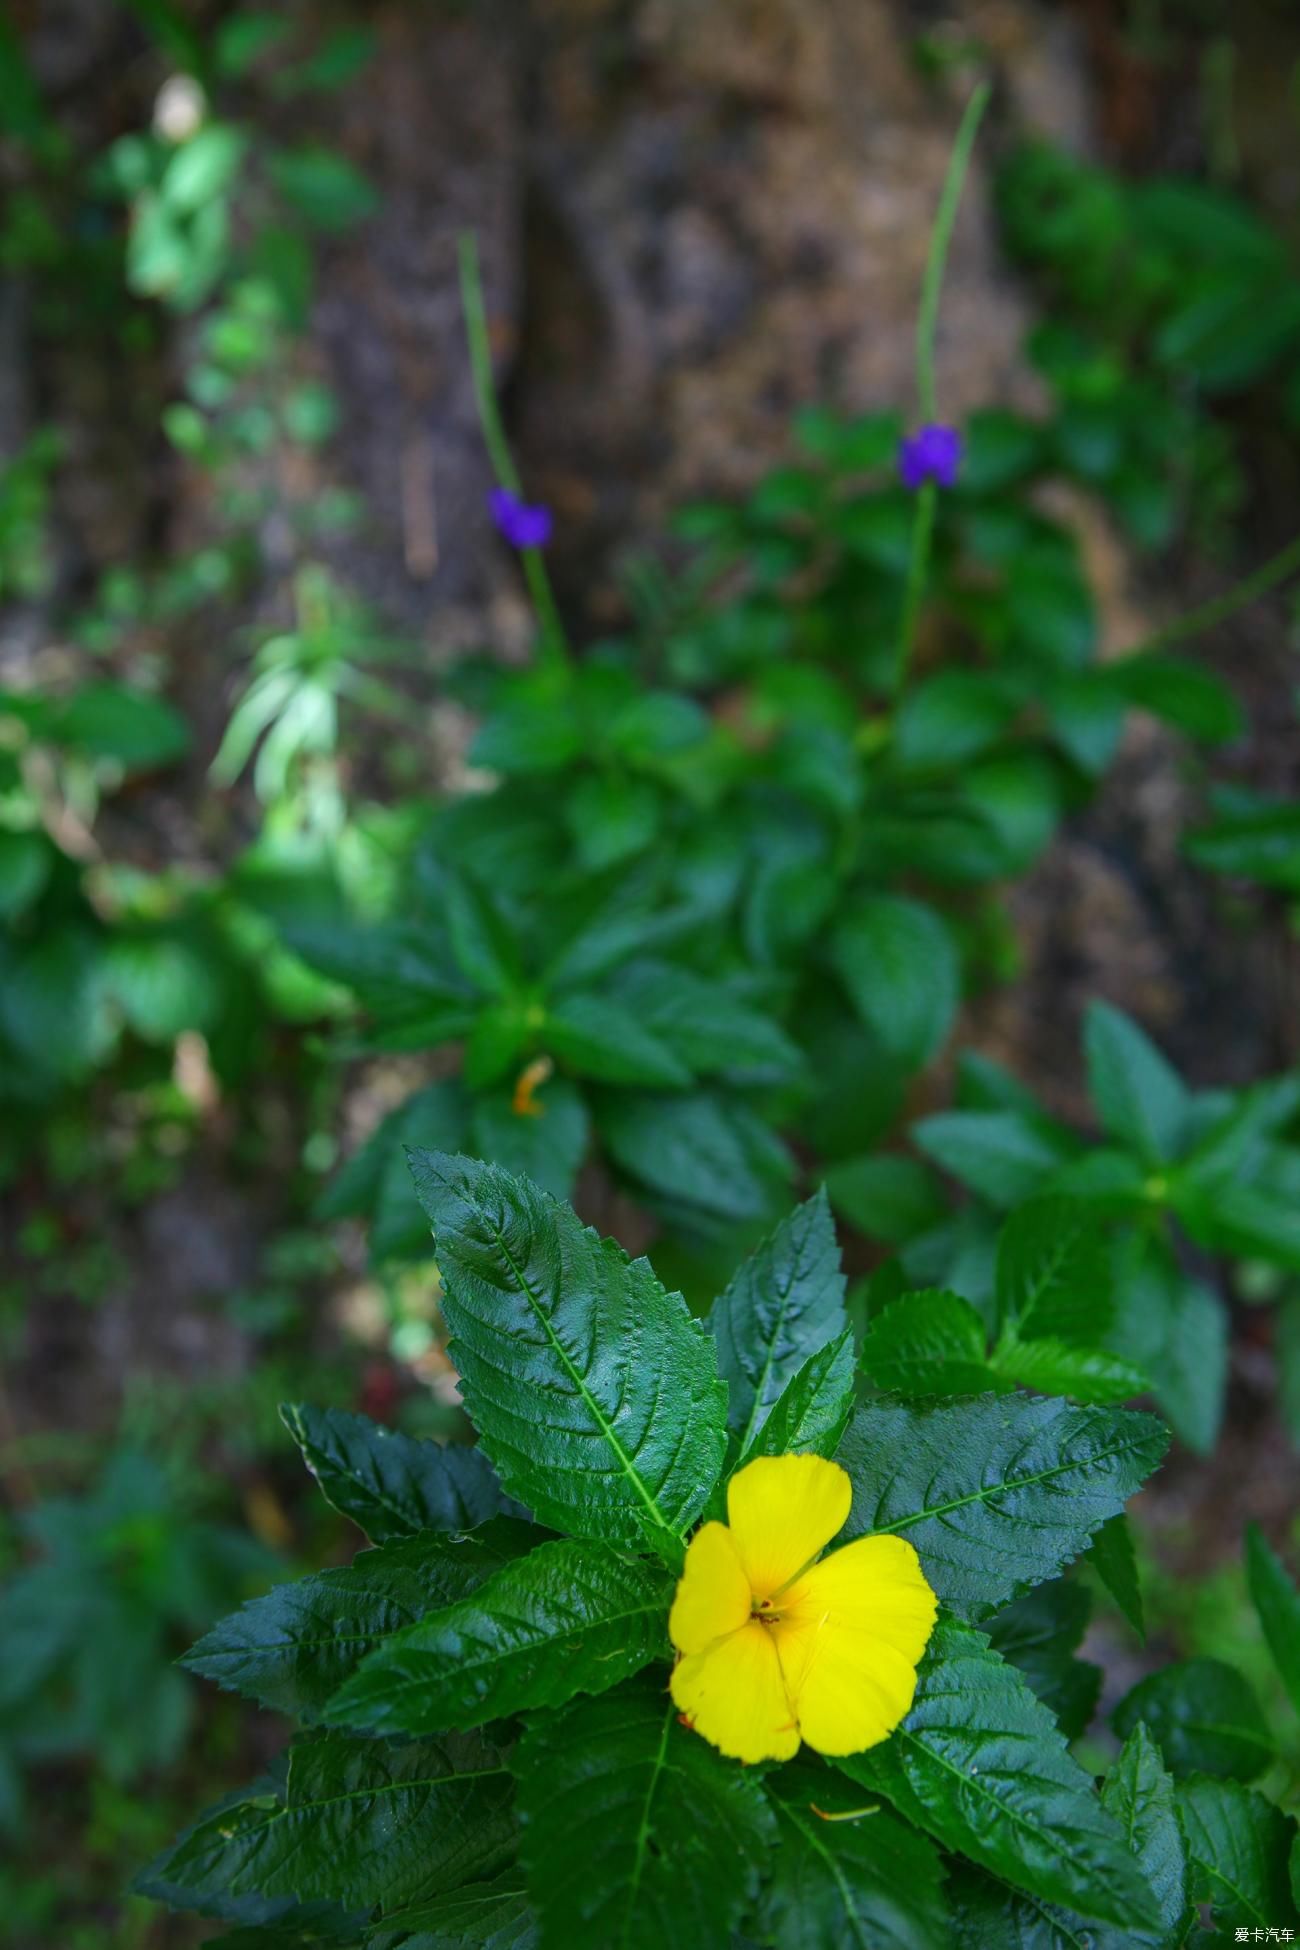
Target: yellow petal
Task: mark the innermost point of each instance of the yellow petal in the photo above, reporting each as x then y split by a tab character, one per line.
782	1511
713	1595
851	1634
733	1693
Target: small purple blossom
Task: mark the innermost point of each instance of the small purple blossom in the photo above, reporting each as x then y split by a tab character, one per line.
522	526
932	453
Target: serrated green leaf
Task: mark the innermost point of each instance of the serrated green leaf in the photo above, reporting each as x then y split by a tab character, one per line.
1205	1717
1053	1273
1238	1845
1140	1098
389	1484
812	1411
981	1765
782	1305
928	1343
1140	1794
1004	1155
295	1647
569	1618
901	969
1039	1635
1085	1374
997	1493
597	1037
493	1915
357	1822
837	1881
672	1835
1277	1603
1114	1560
541	1309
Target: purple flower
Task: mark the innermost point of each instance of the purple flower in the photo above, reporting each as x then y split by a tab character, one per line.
930	454
522	526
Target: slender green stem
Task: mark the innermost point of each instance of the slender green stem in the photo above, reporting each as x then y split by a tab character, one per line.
940	238
1258	583
918	566
554	643
927	323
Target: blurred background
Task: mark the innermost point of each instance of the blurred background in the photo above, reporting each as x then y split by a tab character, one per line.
251	587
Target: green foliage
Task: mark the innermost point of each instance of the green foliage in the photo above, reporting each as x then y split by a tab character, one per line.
437	1812
495	1654
1178	1166
388	1484
1205	1717
537	1302
980	1765
996	1493
92	1622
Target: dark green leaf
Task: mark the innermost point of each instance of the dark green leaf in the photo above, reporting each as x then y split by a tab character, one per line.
989	1916
357	1821
1238	1844
112	721
599	1038
635	1832
1039	1635
1174	1329
1260	843
704	1024
1277	1602
1113	1558
612	818
1053	1273
1140	1098
295	1647
547	1144
480	940
324	188
812	1411
927	1343
1054	1367
699	1152
1004	1155
542	1310
998	1492
901	969
392	1485
491	1915
1186	696
376	1180
950	718
784	1304
1140	1795
1205	1717
839	1880
981	1765
886	1197
569	1618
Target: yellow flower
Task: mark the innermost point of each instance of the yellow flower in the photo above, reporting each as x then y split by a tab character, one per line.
777	1647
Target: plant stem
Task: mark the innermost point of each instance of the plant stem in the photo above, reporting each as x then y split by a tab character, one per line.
554	643
927	322
1258	583
918	564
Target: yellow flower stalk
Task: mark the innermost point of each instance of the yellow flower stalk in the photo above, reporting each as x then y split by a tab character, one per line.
779	1644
